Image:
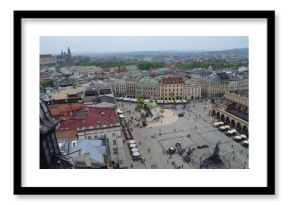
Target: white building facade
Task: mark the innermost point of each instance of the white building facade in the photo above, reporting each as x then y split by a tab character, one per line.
112	134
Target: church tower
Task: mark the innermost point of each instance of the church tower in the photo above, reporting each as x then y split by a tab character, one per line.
68	52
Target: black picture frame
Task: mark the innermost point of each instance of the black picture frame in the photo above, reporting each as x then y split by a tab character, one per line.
268	190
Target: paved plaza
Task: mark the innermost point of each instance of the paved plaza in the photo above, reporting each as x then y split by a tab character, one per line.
154	139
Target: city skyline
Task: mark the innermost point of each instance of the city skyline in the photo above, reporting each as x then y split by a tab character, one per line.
109	44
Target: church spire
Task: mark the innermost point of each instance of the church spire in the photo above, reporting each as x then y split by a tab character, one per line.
68	52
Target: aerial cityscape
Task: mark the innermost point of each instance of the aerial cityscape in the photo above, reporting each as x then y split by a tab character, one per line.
144	102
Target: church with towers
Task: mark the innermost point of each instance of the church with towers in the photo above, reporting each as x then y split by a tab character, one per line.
65	57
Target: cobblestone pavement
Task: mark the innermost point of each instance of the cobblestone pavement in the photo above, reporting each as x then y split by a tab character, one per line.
197	123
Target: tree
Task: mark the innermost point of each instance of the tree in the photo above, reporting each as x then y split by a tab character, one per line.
140	102
47	83
145	65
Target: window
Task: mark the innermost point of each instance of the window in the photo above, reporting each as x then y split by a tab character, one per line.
89	137
113	134
115	150
114	142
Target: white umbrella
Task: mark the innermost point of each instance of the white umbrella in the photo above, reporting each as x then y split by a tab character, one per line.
134	150
132	145
243	136
246	142
222	128
234	130
221	123
227	127
238	137
131	141
121	116
136	154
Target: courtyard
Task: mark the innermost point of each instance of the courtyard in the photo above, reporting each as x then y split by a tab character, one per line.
193	129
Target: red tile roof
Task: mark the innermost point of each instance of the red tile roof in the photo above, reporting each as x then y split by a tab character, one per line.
94	116
172	80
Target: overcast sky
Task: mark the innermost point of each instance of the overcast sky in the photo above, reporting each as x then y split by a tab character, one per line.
80	44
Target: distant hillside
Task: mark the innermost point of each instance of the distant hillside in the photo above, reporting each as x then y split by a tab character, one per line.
235	51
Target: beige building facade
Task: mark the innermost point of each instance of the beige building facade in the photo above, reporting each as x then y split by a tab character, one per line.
192	90
130	87
171	88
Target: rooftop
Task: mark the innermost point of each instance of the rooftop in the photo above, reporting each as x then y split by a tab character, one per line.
240	93
172	80
239	113
151	104
223	76
148	80
94	149
46	56
63	94
94	117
